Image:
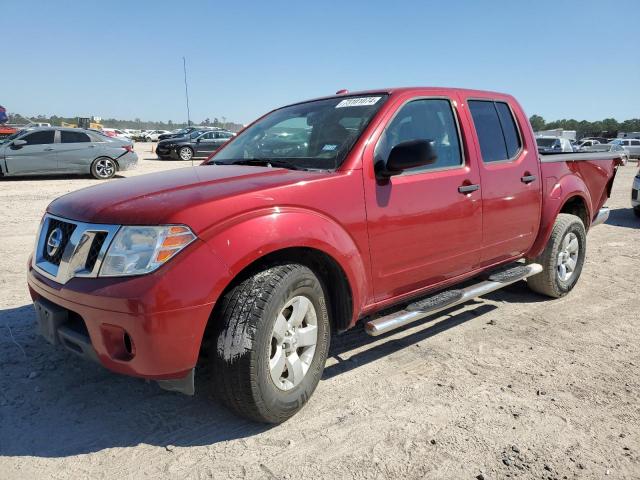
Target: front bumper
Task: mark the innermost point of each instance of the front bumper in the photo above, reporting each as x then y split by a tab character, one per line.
164	151
157	346
148	326
635	192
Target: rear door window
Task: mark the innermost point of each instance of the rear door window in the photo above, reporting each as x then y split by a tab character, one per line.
509	129
496	129
39	138
74	137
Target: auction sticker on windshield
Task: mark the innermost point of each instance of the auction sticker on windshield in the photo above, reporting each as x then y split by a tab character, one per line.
358	102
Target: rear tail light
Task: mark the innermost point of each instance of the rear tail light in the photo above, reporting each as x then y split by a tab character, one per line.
128	148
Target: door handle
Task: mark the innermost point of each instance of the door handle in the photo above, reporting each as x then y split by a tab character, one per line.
468	188
48	149
527	178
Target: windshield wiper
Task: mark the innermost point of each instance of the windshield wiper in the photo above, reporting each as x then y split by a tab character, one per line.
268	162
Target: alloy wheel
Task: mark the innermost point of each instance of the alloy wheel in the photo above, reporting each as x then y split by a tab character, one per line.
293	342
568	256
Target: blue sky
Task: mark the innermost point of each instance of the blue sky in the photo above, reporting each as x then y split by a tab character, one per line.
561	59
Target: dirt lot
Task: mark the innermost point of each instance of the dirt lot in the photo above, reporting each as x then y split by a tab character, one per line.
513	385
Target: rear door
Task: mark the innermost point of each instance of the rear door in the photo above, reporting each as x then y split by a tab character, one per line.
37	156
511	184
422	229
221	138
75	152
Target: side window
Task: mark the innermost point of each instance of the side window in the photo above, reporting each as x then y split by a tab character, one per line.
74	137
496	129
39	138
635	143
427	119
509	129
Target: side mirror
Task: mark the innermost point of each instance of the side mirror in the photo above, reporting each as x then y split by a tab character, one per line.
18	143
405	155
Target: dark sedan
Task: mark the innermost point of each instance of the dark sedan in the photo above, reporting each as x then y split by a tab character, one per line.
180	133
198	144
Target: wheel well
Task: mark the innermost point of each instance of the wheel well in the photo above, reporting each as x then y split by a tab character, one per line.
330	273
577	206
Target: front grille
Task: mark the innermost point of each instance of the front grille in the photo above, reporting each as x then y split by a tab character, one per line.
67	230
79	251
94	251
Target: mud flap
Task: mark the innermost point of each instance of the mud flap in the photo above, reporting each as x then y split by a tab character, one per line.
184	385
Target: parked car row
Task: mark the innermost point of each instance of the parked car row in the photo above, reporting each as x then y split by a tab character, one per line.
549	144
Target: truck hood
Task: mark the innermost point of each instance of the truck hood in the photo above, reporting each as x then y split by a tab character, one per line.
169	197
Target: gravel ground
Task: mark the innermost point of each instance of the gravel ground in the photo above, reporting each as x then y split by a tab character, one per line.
513	385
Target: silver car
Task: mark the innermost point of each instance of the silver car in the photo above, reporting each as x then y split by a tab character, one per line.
631	145
64	151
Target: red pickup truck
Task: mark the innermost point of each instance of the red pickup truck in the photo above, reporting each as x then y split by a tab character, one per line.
371	206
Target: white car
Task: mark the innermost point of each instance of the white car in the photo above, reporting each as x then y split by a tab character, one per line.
116	133
548	144
584	144
153	135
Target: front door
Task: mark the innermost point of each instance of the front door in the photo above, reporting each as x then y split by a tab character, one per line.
423	230
509	167
37	156
206	144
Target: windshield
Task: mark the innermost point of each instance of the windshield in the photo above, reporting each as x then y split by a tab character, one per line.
546	142
196	133
317	134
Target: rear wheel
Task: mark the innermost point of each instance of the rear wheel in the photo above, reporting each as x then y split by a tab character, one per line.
562	258
272	343
103	168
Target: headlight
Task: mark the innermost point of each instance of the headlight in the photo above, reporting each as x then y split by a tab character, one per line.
140	250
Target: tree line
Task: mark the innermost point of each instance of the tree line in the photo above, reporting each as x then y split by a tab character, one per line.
135	124
609	127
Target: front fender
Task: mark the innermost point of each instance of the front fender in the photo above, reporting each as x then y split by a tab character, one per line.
556	194
242	240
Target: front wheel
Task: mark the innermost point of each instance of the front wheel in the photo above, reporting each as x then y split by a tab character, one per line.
103	168
562	258
185	153
272	343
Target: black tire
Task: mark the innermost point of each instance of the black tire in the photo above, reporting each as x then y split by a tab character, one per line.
103	168
188	151
241	351
549	281
636	211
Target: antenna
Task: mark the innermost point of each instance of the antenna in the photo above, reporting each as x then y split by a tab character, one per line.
186	94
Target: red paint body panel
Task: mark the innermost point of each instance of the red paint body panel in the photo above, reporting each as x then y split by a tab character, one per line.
413	234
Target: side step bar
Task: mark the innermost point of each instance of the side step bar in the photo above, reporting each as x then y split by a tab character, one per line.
449	298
